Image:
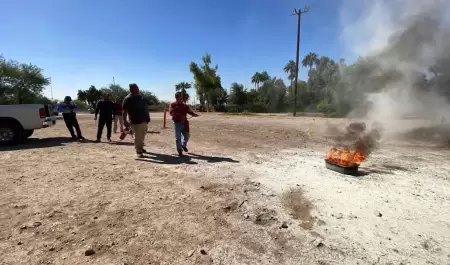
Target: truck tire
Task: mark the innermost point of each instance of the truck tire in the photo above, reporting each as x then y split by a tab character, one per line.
28	133
11	133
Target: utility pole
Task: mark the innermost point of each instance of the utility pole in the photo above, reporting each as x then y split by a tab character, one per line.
298	13
51	88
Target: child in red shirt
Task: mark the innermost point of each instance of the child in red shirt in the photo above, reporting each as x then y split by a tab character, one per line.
179	110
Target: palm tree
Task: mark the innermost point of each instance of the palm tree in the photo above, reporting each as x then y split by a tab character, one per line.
182	86
309	60
264	77
290	68
256	79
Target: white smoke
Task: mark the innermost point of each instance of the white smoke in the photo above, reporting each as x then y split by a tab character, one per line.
405	38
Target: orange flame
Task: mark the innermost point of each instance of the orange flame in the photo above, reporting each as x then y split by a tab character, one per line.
345	157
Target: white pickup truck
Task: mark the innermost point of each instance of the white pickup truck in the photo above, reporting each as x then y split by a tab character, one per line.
18	122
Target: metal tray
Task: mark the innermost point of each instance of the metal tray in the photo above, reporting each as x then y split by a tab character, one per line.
351	170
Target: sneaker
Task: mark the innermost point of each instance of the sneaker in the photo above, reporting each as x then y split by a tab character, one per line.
144	151
109	139
180	152
81	138
97	141
140	155
185	148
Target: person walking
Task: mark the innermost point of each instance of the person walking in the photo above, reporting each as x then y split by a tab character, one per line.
178	110
118	115
187	130
136	108
105	108
68	110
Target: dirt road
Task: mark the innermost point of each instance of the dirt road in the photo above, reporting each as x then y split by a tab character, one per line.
253	190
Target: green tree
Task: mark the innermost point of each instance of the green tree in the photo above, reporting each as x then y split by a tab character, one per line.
149	97
90	96
207	82
272	94
290	68
183	87
81	104
20	83
256	79
309	60
264	77
115	91
237	95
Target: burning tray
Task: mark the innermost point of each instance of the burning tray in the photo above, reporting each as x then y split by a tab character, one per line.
347	170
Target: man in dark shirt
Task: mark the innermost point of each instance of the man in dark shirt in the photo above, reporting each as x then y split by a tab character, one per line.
178	110
106	109
136	108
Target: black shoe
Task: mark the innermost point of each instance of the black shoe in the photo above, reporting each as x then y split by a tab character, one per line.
180	152
144	151
109	139
98	141
140	155
81	138
185	148
74	137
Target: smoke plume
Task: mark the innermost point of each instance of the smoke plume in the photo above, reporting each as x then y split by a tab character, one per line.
402	44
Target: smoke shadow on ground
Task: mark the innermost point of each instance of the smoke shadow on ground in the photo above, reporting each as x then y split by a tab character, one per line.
372	170
383	169
438	134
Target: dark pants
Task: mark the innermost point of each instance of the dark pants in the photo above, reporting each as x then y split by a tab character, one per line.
71	121
101	124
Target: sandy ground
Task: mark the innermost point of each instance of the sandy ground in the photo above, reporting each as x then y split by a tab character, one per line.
254	190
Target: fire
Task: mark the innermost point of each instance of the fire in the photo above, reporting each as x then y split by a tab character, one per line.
346	157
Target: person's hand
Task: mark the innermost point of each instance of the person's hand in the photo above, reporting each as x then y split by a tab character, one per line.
126	123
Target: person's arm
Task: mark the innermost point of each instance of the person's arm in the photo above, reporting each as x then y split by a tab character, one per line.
60	107
190	112
113	110
171	109
97	109
148	112
125	112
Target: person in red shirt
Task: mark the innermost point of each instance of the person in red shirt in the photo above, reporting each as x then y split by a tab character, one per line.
186	122
178	110
118	115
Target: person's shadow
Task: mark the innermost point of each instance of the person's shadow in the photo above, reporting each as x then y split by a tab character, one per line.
213	159
185	159
37	143
166	159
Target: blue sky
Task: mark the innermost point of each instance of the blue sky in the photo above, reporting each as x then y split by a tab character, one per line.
151	43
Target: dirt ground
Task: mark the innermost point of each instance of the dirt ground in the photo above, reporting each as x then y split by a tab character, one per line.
253	190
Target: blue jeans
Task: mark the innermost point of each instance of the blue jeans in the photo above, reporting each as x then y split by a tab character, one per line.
181	136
